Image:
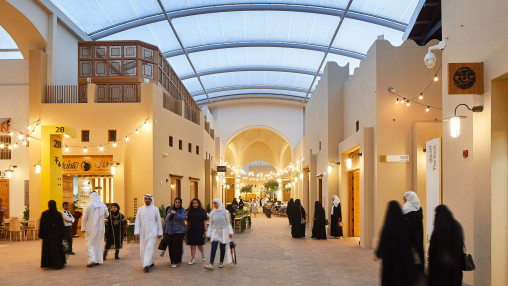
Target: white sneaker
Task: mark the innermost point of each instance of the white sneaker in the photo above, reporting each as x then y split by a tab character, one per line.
221	265
209	266
173	265
193	261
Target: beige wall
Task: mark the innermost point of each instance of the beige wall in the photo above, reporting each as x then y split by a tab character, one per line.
14	105
475	188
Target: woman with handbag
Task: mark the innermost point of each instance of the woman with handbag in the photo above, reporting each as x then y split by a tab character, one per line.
319	226
446	250
298	220
174	228
336	218
219	231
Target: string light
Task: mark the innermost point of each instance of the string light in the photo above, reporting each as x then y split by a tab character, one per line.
101	148
114	144
11	133
24	142
66	149
127	138
427	109
15	145
2	146
9	147
20	136
137	132
85	150
436	78
420	97
408	104
397	101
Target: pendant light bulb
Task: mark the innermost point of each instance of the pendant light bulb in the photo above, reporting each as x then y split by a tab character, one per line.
66	149
427	109
397	101
408	104
114	144
420	97
101	148
436	78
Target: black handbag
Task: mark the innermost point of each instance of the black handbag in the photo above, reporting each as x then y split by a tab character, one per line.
467	261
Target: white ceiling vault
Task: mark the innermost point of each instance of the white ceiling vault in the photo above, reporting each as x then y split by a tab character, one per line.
246	47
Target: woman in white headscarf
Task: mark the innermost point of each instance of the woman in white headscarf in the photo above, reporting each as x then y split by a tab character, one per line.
92	224
336	221
219	231
413	213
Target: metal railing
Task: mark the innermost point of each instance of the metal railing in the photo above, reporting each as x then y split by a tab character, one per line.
65	94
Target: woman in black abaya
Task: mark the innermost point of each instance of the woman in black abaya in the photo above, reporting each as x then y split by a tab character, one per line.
298	217
445	250
319	226
289	209
395	249
335	228
413	213
51	232
116	228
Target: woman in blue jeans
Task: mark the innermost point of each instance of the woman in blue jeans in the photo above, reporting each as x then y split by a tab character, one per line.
174	229
219	231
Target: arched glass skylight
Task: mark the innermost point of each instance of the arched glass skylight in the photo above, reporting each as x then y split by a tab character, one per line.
8	48
246	48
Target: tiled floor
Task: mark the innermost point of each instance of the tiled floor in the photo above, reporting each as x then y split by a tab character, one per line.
267	255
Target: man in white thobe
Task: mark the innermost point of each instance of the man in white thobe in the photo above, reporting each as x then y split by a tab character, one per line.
148	228
92	224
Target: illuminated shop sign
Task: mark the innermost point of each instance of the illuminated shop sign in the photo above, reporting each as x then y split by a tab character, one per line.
87	165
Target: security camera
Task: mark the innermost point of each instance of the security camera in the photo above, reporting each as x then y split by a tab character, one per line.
430	57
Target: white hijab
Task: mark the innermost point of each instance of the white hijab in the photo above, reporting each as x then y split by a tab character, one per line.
336	202
219	203
100	207
412	204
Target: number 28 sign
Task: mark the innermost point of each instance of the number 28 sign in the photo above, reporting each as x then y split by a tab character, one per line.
59	129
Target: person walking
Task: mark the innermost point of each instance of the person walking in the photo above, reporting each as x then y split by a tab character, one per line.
319	226
116	228
395	249
413	213
196	228
219	231
92	224
298	220
289	209
446	250
336	218
241	203
148	228
52	233
68	219
174	228
253	208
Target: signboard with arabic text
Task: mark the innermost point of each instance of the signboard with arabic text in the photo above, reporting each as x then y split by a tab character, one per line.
87	165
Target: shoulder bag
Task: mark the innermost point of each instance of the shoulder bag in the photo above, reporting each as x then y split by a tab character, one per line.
467	261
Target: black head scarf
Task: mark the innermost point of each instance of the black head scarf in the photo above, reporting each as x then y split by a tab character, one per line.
235	202
117	208
181	203
319	213
52	206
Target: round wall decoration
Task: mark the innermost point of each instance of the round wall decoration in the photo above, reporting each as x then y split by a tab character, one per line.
464	77
86	166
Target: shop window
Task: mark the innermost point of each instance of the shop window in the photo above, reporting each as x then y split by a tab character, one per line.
5	152
111	135
85	135
357	125
197	150
190	147
170	141
180	144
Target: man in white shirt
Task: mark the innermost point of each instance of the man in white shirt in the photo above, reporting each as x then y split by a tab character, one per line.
148	228
68	219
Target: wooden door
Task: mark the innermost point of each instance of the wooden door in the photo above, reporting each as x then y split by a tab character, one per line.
4	195
320	188
193	190
230	195
286	196
175	189
354	203
68	191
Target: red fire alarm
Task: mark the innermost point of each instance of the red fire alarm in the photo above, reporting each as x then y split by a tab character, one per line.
166	180
465	153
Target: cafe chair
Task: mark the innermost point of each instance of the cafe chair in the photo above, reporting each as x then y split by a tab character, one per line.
32	228
15	228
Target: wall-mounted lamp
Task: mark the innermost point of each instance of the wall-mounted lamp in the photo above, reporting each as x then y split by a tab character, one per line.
349	161
330	166
38	168
113	167
455	120
9	171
